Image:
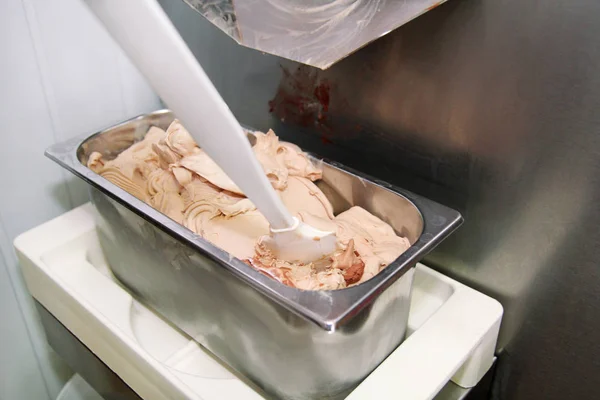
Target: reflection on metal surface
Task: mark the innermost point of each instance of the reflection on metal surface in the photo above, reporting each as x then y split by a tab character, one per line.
317	33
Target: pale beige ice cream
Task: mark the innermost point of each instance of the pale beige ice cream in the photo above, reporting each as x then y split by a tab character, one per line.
171	173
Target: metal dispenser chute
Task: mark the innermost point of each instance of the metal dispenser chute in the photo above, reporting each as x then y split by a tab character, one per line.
313	32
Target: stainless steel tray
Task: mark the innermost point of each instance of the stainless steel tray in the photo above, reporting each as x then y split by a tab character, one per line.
293	343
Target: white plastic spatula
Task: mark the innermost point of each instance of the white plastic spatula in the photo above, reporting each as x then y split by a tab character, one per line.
153	44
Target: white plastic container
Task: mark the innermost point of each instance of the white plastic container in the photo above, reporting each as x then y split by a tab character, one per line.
452	328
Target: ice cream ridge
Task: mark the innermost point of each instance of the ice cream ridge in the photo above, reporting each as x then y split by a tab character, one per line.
168	171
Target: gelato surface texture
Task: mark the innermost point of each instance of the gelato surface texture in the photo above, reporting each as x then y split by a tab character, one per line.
168	171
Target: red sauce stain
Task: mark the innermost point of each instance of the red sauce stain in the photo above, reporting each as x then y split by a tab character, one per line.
322	94
303	98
